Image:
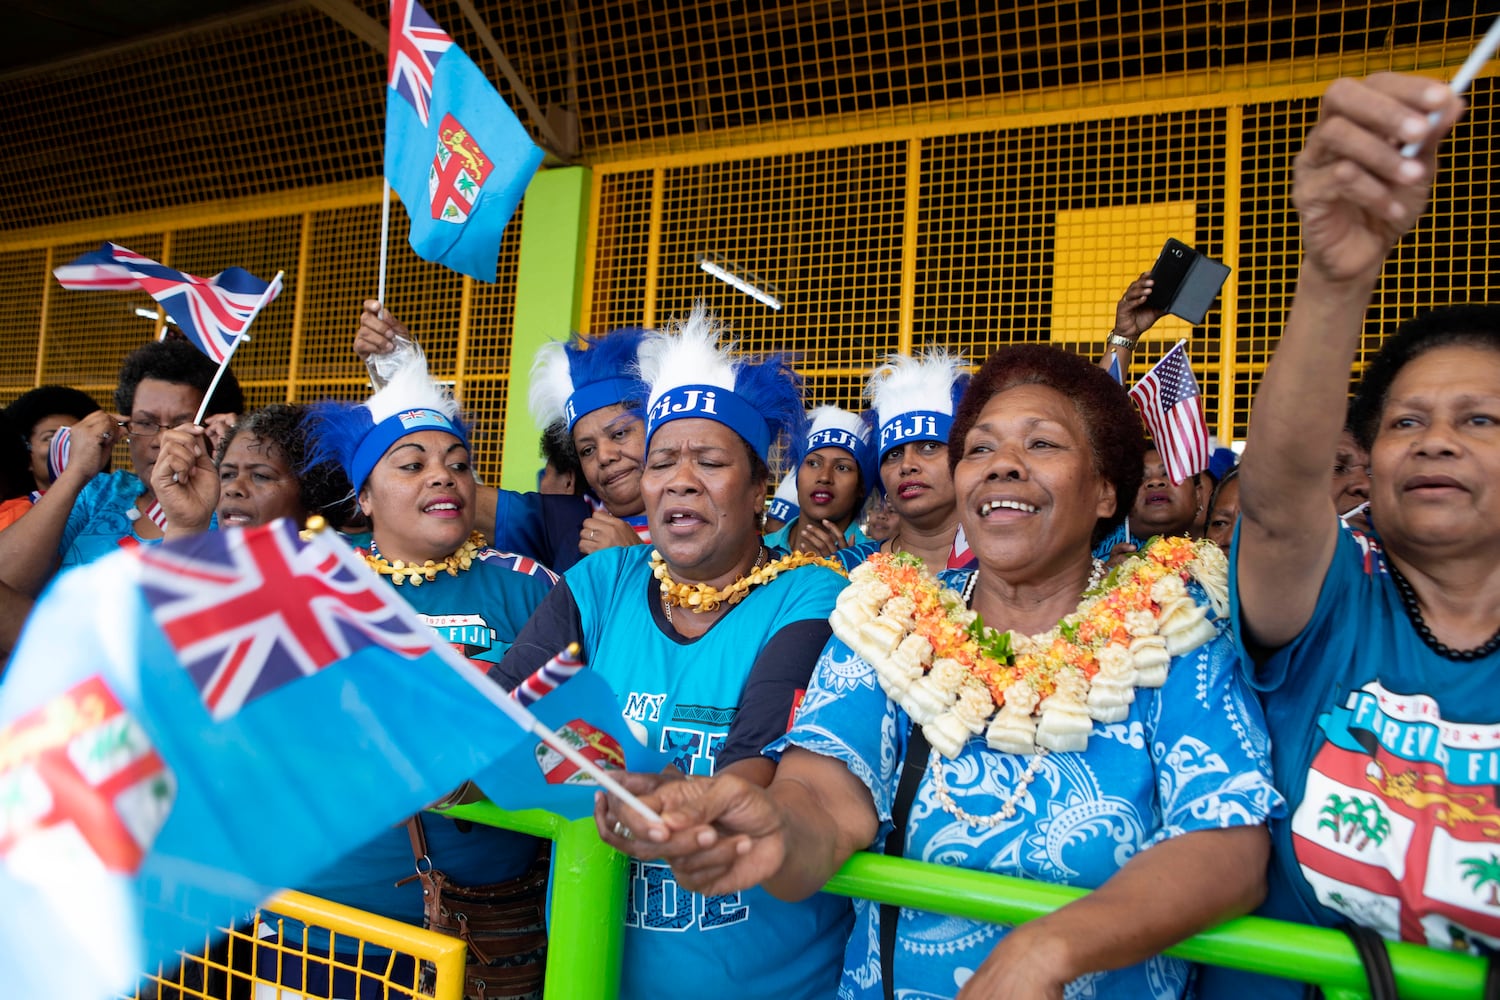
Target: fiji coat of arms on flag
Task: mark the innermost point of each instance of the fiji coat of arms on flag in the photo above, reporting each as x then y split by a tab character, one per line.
459	170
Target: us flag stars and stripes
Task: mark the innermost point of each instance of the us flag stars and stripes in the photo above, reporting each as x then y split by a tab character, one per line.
248	612
416	46
1172	408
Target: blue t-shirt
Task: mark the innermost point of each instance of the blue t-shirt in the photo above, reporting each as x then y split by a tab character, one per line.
101	519
1389	756
1191	755
690	695
481	610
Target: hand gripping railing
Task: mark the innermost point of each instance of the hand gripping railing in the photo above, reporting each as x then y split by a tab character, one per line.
588	908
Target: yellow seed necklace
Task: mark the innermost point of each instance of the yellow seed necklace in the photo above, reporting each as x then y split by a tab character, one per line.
400	572
700	597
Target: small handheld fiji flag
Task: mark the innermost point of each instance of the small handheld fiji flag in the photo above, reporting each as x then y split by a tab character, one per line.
581	709
165	704
546	678
1170	404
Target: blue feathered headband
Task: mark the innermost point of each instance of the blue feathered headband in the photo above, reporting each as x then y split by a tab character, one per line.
914	398
356	435
783	506
690	374
573	379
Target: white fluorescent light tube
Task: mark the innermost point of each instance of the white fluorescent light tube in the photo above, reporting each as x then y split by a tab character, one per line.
728	276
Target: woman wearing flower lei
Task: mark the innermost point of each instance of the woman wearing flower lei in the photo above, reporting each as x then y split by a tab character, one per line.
1052	723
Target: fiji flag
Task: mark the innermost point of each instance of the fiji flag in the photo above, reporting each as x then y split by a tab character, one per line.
186	728
454	152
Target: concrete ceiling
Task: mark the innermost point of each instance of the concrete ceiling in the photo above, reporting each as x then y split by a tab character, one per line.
44	31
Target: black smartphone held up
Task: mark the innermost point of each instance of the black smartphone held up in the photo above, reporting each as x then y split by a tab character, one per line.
1185	282
1170	268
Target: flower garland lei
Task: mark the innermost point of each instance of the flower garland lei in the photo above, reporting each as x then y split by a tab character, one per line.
956	678
702	597
400	572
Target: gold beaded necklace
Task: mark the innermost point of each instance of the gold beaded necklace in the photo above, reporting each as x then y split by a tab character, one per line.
700	597
400	572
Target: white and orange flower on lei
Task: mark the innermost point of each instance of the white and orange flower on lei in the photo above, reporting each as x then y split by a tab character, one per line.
957	678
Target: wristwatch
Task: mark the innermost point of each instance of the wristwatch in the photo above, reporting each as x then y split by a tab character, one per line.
1115	340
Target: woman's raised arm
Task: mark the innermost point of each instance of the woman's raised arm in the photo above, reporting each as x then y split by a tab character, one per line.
1356	196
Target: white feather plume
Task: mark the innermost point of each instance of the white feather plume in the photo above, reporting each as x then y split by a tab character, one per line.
410	387
687	354
903	384
787	488
825	418
551	384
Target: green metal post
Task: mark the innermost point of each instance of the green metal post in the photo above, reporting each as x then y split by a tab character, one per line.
586	922
549	294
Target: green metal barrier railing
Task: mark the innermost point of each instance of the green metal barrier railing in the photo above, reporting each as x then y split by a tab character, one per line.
588	908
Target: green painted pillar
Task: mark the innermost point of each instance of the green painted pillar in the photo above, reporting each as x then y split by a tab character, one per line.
549	297
586	933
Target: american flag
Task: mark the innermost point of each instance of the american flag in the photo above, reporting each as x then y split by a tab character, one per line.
212	312
249	611
417	43
1172	408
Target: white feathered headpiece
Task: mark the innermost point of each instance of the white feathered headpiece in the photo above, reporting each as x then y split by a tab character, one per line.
689	372
914	398
356	435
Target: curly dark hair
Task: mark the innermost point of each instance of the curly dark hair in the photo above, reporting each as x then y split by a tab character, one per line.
557	448
181	363
1114	429
323	488
44	401
1468	325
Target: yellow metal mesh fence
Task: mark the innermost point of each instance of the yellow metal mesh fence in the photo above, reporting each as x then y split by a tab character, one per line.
299	947
897	174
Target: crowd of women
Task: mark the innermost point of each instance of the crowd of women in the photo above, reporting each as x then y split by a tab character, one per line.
1268	693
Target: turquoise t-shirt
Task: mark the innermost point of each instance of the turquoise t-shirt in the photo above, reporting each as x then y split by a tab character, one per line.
101	519
1389	756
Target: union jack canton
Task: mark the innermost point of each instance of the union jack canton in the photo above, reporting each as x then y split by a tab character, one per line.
249	611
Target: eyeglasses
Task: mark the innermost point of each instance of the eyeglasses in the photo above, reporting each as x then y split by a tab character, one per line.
150	428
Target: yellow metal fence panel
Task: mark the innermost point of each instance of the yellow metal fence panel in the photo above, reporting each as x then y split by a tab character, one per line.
895	173
267	957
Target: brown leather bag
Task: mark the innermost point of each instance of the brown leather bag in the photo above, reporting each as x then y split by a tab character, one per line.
504	924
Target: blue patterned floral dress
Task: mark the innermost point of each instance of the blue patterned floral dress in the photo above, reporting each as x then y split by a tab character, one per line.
1191	755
